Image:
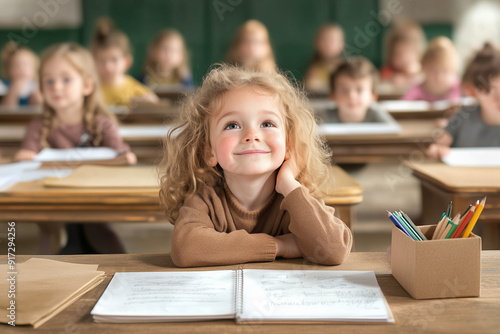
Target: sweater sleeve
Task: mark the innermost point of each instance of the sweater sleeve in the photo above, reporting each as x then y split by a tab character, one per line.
110	134
196	241
32	136
321	237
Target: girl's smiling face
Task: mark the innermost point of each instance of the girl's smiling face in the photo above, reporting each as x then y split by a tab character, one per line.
247	135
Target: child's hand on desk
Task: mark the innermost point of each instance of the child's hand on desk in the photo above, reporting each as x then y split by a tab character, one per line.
286	246
285	180
24	154
131	158
437	152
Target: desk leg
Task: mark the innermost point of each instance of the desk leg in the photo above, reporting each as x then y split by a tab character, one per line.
50	237
346	214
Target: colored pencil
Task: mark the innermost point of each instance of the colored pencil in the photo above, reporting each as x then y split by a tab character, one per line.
474	219
463	223
439	228
454	226
397	223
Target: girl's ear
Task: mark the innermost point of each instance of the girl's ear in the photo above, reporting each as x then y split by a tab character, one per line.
288	155
210	157
88	88
129	60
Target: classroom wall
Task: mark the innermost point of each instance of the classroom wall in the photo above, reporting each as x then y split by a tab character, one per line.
209	25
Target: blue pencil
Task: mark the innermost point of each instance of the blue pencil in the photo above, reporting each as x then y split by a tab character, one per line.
397	223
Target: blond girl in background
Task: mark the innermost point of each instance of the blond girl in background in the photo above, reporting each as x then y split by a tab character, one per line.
19	85
328	46
74	115
112	53
251	48
440	69
167	61
405	44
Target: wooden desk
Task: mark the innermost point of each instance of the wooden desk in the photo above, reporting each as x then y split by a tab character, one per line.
414	138
138	114
460	315
441	183
32	202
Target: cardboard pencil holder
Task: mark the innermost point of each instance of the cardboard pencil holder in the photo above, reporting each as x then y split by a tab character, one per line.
430	269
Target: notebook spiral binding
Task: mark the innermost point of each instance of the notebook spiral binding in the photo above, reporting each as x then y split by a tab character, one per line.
238	293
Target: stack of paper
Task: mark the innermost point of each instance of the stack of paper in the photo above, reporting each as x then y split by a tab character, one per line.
43	288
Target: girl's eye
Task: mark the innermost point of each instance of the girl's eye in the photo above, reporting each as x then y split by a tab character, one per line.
268	124
67	80
231	126
49	81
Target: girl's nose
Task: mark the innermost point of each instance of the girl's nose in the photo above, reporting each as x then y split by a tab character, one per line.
251	135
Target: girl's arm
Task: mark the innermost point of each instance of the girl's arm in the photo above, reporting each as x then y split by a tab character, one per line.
196	242
111	138
319	235
11	99
36	98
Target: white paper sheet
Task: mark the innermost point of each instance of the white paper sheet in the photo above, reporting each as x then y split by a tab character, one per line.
473	157
8	180
313	295
164	296
76	154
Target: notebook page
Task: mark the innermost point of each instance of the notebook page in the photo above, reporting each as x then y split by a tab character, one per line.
312	295
163	296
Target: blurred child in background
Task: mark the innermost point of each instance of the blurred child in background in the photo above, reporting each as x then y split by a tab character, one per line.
19	85
405	43
353	90
478	125
328	46
167	61
251	48
74	115
112	53
440	68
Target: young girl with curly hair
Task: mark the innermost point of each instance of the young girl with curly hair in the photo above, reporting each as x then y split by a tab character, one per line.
241	173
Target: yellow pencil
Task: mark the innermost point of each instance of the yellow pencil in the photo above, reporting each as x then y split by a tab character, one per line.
474	218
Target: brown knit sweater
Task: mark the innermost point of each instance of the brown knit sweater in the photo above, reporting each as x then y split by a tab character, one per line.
214	229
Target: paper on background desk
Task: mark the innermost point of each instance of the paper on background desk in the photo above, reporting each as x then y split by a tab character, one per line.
473	157
107	177
45	287
24	171
76	154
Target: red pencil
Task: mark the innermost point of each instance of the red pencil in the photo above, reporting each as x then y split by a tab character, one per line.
464	222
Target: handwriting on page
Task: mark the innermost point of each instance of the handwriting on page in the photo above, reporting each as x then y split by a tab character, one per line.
169	294
313	294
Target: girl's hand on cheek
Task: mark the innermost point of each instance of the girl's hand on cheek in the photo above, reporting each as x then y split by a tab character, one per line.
285	180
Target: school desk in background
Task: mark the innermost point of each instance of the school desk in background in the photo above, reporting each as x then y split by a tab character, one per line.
441	184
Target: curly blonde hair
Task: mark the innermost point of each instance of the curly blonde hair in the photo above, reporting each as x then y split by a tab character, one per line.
184	165
93	105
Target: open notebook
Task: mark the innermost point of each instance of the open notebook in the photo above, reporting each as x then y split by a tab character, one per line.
247	295
473	157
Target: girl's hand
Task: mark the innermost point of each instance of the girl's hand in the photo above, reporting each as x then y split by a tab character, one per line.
131	158
285	180
286	246
24	154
